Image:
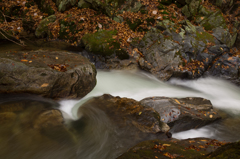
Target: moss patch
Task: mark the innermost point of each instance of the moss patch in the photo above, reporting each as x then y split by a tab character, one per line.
103	43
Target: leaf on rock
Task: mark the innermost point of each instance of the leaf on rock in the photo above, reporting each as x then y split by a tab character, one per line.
44	85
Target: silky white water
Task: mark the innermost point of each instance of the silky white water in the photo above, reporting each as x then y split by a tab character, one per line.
139	85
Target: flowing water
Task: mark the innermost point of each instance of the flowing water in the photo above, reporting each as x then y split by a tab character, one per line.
138	85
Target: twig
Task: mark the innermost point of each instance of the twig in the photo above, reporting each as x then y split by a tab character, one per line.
4	16
21	42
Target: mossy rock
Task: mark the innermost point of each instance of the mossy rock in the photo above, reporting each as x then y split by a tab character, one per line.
102	43
42	28
205	37
213	21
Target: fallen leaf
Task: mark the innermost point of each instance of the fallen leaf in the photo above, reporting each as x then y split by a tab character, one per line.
166	144
177	101
210	116
56	58
44	85
140	113
24	60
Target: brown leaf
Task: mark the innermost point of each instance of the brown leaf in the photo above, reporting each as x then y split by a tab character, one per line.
44	85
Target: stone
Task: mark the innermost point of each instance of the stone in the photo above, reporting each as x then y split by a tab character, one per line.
52	74
183	113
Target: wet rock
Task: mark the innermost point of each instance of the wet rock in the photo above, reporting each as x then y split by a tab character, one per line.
183	113
55	74
230	150
127	113
226	67
191	148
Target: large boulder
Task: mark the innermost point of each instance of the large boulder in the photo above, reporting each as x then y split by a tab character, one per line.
116	124
128	113
56	74
183	113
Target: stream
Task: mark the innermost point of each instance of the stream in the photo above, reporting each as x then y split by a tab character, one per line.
138	85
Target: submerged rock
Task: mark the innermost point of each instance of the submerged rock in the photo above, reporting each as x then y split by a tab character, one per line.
183	113
31	126
53	74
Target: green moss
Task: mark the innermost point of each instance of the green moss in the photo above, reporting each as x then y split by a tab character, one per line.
205	37
102	43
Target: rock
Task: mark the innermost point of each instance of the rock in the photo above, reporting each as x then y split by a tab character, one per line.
230	150
193	7
106	63
103	43
42	28
226	67
213	21
183	113
127	113
55	74
224	36
191	148
122	122
160	54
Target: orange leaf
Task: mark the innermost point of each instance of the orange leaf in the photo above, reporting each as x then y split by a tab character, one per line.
44	85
